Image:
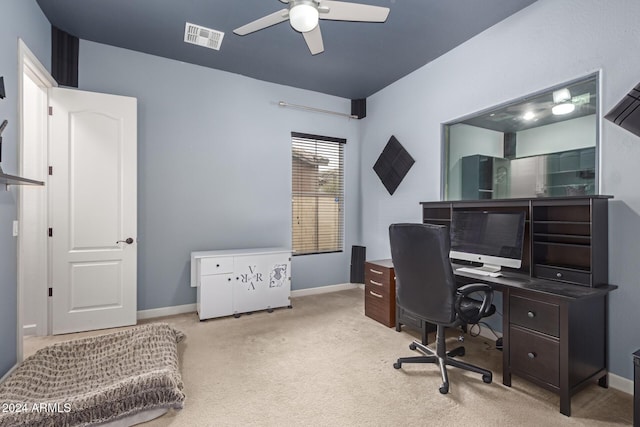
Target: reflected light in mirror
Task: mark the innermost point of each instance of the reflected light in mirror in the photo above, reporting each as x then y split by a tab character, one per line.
561	95
562	109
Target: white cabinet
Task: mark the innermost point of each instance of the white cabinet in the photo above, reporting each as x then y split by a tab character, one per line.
241	281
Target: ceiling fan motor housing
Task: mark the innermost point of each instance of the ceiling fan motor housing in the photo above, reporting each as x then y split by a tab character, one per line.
303	15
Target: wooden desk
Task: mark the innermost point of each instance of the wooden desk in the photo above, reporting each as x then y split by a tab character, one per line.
555	305
554	334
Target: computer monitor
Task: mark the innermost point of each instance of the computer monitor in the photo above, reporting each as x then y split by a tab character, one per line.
494	239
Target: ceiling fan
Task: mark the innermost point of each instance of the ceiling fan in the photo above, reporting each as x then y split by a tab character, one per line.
303	15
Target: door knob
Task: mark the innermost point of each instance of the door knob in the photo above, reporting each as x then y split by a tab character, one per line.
128	241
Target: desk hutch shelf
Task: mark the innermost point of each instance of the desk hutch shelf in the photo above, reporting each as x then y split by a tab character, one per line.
566	238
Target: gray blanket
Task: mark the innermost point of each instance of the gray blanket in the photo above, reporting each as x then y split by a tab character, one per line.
94	380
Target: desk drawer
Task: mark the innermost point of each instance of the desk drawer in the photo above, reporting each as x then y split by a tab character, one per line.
564	275
535	355
377	307
537	315
378	275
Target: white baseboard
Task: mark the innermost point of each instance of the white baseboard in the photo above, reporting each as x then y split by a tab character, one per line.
191	308
324	289
620	383
29	330
166	311
9	373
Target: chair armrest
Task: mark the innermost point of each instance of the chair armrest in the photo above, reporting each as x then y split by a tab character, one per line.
473	287
487	299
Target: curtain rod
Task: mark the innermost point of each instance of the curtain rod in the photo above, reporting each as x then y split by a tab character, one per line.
304	107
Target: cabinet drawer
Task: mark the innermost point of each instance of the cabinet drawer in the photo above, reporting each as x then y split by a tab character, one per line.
577	277
383	290
216	265
535	355
376	295
377	282
377	307
379	274
537	315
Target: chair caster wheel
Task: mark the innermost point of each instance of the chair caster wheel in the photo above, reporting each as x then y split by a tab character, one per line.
269	310
461	352
487	378
397	365
444	389
236	315
412	346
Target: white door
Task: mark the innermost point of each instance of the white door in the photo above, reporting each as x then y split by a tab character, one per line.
93	185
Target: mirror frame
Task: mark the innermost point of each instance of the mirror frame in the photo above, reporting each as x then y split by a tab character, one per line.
444	130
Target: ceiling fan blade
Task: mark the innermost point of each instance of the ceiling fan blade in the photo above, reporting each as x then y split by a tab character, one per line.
314	40
343	11
264	22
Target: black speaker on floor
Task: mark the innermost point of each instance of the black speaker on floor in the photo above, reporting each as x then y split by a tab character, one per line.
358	257
359	108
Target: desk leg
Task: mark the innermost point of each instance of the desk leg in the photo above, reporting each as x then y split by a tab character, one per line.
604	381
506	354
565	403
565	387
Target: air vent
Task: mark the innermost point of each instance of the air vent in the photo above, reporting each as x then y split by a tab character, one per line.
203	36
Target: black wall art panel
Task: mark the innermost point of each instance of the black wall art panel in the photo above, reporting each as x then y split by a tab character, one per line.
393	164
627	113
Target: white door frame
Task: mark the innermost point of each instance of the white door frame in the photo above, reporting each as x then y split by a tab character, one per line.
29	63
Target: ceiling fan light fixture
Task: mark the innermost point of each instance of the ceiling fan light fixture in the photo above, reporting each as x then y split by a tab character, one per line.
303	17
562	109
561	95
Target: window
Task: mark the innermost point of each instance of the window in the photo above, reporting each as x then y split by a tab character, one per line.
317	193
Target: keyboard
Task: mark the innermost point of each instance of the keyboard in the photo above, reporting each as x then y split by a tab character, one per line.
479	272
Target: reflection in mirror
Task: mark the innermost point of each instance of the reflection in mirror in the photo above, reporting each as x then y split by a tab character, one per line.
542	145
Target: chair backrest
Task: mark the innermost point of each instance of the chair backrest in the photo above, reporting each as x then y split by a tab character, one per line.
425	284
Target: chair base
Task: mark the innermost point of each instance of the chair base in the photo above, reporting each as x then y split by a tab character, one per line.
443	358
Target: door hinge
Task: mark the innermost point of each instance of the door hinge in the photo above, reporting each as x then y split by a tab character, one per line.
50	110
50	292
50	170
50	232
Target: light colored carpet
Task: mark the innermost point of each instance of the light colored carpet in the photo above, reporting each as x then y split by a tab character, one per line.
324	363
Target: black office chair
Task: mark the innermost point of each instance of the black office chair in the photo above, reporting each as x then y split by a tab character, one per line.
426	287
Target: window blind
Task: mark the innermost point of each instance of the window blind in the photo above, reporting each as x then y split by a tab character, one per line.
317	193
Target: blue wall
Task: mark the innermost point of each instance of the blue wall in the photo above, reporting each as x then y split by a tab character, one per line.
214	159
20	19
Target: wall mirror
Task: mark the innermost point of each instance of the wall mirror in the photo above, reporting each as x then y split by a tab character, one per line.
542	145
